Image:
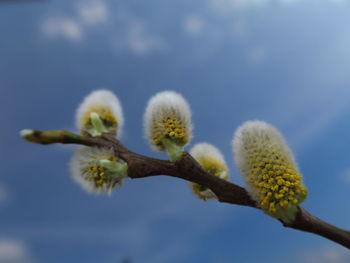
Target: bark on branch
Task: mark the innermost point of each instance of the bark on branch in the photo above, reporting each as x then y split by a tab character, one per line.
187	168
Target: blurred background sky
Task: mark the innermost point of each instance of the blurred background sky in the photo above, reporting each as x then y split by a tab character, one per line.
283	61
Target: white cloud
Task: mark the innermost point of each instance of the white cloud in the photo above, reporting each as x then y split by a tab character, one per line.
139	40
62	27
193	25
129	34
4	194
13	251
93	12
327	255
89	13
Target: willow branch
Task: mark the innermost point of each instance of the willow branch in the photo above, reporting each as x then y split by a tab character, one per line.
187	168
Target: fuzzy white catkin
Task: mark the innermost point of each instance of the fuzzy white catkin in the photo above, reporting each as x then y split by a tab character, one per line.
211	160
269	169
101	98
84	158
261	133
204	150
162	105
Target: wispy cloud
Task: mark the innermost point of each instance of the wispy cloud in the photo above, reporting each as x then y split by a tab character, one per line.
74	28
62	27
124	32
138	39
230	20
193	25
142	42
93	12
13	251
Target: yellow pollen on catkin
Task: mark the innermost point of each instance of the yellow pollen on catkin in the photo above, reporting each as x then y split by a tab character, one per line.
169	127
96	173
107	117
212	166
272	171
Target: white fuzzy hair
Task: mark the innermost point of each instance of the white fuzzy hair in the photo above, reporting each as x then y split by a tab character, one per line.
163	104
101	98
259	132
203	150
80	160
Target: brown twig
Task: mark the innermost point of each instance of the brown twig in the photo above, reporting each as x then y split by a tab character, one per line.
187	168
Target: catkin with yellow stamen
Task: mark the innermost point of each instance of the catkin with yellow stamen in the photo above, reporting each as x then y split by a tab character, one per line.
105	106
167	122
90	171
268	167
211	160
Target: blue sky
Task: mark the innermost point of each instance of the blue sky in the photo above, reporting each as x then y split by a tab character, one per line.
283	61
